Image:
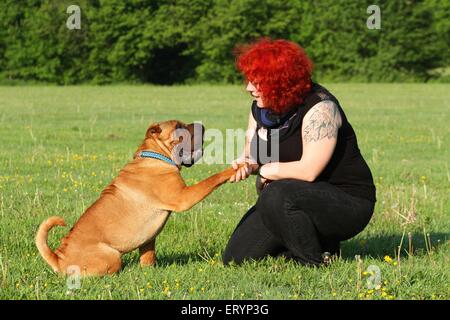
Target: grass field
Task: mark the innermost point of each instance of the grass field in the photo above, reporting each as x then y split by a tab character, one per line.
59	146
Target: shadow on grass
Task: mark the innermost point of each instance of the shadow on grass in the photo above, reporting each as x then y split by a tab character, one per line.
374	246
182	258
382	245
165	259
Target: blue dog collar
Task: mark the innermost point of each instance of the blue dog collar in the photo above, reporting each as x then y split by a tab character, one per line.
155	155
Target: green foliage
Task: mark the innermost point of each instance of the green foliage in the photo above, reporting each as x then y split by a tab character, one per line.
165	42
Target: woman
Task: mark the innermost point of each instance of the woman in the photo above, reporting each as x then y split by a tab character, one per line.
319	190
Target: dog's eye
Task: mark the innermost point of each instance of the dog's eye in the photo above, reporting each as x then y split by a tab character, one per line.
177	140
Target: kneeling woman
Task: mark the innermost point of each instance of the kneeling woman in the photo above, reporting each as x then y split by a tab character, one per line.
319	190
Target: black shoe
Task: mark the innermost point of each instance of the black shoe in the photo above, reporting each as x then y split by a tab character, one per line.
326	258
332	247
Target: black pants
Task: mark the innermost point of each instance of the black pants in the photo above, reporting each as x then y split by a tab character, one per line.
299	220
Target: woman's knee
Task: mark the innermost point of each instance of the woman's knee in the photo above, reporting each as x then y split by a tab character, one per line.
271	198
280	194
271	204
278	199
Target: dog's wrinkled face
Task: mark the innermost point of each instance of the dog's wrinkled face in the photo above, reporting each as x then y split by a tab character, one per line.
183	141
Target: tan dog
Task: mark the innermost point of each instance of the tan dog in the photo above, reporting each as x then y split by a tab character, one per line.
132	210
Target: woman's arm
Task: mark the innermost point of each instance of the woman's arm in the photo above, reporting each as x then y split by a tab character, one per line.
251	130
244	172
319	135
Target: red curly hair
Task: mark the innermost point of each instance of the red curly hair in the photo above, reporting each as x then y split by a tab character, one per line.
280	70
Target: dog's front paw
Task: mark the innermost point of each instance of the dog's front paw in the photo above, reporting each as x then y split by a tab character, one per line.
148	260
148	256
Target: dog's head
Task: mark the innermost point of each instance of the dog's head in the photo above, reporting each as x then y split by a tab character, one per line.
183	142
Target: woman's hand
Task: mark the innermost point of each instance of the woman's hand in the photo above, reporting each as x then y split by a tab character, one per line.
261	183
244	172
267	170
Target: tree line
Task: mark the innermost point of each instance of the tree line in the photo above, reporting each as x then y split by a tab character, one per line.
188	41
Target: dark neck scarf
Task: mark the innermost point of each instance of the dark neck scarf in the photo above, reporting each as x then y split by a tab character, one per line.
283	124
270	119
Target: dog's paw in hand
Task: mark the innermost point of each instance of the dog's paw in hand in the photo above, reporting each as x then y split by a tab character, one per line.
242	171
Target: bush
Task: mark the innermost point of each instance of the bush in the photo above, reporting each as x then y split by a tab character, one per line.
165	42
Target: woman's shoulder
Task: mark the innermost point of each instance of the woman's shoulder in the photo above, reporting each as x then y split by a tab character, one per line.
325	113
318	93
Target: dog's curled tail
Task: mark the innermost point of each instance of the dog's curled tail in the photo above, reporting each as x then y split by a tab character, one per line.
41	241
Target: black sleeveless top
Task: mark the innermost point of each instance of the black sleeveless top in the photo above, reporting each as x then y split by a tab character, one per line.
346	169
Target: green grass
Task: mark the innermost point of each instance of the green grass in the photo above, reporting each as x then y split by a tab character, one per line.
61	145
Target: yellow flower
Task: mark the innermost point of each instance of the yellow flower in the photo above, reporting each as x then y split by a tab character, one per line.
167	291
395	263
387	259
212	262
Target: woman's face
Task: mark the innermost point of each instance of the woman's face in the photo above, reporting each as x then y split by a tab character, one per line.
255	94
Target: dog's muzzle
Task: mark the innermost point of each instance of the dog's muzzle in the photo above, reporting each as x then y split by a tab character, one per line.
190	150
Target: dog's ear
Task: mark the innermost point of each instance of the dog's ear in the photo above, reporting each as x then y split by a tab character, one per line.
154	129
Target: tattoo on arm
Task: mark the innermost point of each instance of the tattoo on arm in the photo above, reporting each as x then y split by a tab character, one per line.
324	122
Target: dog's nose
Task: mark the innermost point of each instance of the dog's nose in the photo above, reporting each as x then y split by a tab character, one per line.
202	127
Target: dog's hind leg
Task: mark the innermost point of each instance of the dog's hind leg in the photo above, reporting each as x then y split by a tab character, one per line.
94	260
147	253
